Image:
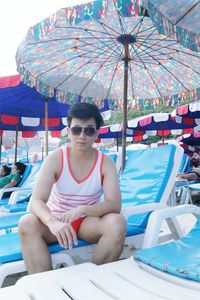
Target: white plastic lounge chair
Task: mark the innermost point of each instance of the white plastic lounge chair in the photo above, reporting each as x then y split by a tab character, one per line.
19	196
169	271
145	187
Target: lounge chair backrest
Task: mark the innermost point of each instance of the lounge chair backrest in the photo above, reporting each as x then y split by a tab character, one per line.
145	180
185	164
145	174
32	177
25	175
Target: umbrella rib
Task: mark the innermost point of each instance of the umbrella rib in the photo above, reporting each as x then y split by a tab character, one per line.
138	47
74	47
101	42
54	67
155	84
76	71
159	48
86	30
112	79
140	24
87	44
119	17
145	41
113	41
171	73
187	12
186	65
91	79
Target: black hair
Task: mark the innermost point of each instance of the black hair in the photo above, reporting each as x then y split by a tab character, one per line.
85	111
7	170
21	167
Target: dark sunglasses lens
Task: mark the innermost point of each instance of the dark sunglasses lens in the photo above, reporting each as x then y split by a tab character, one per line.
89	131
76	130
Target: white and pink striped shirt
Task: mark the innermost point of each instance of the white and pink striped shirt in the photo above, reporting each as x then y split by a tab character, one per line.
68	192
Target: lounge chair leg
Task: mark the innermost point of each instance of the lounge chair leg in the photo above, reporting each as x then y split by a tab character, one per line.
62	258
11	268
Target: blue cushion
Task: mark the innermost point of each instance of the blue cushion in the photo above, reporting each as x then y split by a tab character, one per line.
144	178
9	221
10	249
18	207
180	258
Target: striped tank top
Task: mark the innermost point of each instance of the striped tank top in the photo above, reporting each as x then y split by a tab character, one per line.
68	192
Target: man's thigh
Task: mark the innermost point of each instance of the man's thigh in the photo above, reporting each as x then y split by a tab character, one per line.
90	229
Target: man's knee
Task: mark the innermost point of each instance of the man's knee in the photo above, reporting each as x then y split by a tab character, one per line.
28	224
115	224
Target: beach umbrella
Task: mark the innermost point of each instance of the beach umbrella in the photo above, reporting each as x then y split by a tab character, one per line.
23	105
189	115
106	50
190	139
178	19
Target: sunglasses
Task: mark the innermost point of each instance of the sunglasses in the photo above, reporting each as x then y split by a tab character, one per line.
88	131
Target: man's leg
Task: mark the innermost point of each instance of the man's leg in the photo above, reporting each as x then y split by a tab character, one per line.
108	232
34	238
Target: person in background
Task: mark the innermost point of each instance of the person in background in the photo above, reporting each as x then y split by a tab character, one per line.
194	174
66	204
4	171
14	177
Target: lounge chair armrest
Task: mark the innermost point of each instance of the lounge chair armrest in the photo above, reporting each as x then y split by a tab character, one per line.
158	216
13	189
14	197
129	210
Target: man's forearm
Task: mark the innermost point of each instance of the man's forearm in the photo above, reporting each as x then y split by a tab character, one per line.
101	209
41	210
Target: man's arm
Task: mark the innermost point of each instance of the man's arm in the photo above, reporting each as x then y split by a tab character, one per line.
42	189
11	184
48	174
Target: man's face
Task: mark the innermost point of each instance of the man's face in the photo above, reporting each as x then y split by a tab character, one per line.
83	133
15	170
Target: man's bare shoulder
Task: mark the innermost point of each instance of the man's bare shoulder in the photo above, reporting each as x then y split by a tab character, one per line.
108	163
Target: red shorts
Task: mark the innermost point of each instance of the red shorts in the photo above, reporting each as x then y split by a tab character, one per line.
76	224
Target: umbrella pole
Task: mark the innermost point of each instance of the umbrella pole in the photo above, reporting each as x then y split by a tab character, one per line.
16	142
126	60
46	126
117	142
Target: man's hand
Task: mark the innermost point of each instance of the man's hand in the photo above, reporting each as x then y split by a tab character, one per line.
72	215
65	233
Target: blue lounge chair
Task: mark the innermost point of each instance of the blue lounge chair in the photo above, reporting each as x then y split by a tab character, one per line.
164	272
145	187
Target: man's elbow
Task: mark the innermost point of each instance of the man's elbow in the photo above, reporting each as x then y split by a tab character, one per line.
118	207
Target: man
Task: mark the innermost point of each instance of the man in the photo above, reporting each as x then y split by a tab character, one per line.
14	178
65	202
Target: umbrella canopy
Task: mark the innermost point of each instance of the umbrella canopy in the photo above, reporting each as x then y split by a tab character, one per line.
22	106
178	19
190	139
106	50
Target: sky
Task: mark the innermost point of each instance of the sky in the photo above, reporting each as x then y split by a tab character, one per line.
16	16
